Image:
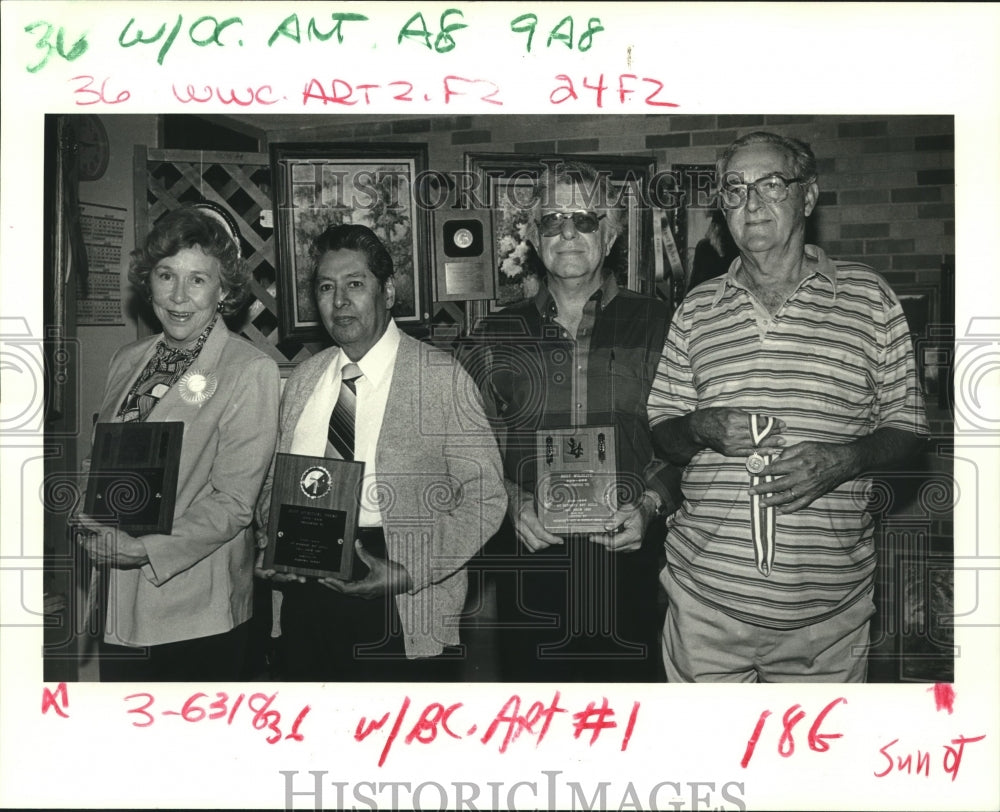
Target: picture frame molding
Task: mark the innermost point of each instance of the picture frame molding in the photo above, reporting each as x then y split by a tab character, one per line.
923	655
933	335
284	158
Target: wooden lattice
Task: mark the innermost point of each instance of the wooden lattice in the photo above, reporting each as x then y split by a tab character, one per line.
241	181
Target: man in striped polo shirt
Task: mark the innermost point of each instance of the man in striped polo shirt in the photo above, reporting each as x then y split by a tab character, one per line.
781	384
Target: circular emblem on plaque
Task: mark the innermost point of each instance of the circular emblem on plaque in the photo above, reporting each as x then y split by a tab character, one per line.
756	463
315	482
463	238
197	386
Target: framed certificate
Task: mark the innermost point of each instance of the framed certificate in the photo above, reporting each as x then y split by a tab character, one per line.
314	516
577	479
132	481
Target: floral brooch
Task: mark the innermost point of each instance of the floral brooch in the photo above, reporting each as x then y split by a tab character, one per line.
197	386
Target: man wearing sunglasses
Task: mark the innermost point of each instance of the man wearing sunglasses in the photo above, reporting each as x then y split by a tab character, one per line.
580	353
782	384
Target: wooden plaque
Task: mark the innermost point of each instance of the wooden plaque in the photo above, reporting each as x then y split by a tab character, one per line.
577	479
314	516
132	481
463	255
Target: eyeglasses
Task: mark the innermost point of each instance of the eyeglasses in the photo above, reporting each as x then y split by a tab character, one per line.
773	188
585	222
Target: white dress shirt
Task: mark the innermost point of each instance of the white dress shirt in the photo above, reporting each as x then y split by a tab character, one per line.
310	436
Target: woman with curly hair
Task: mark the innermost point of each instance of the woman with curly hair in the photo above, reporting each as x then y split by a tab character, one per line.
178	604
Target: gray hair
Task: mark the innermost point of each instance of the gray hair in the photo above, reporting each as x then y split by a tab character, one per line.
803	159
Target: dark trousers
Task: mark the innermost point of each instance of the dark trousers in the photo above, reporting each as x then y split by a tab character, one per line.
330	637
216	658
576	612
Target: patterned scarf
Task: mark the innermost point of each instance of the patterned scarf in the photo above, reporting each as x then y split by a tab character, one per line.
163	371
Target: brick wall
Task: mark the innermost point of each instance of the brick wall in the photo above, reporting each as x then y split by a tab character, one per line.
887	182
887	185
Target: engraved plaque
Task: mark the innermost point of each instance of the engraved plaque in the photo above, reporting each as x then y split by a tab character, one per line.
133	475
314	516
463	255
577	478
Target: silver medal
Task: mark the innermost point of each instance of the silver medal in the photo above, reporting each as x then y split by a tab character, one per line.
755	463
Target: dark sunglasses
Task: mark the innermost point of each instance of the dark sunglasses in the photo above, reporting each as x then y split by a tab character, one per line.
585	222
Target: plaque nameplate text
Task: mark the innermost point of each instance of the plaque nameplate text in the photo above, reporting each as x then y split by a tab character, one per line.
577	479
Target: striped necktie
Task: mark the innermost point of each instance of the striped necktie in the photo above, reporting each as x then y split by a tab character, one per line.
341	431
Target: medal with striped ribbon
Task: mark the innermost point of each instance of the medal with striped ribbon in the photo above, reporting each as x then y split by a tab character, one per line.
761	518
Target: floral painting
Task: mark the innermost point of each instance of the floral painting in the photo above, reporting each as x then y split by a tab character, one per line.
317	189
519	269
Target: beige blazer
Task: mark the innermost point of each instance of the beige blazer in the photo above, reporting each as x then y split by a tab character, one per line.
439	478
199	579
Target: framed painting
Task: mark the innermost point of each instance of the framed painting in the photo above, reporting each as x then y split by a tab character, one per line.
317	185
930	331
504	184
703	240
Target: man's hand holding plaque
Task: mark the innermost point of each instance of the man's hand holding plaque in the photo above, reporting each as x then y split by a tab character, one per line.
384	577
626	528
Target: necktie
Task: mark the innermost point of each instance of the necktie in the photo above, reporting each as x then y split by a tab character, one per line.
341	431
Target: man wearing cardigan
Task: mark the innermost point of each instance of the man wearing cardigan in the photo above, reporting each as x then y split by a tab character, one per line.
432	492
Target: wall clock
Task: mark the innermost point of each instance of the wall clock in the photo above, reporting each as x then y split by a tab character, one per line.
92	149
